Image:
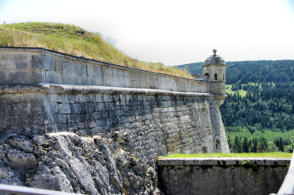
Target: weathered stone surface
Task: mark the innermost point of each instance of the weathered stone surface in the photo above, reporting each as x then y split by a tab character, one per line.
21	142
9	176
21	160
145	122
71	163
51	178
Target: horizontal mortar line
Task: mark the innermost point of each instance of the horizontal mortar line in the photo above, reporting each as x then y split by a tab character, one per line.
52	88
40	49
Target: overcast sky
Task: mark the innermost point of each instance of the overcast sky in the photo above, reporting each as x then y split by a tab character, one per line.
174	31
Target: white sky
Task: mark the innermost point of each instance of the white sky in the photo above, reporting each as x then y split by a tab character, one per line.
174	31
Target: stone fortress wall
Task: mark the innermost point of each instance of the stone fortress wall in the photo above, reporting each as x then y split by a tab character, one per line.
148	113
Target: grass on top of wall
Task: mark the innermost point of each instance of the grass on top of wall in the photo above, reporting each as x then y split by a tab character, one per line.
76	41
231	155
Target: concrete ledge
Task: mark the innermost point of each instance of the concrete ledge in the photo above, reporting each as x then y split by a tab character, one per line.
85	89
224	161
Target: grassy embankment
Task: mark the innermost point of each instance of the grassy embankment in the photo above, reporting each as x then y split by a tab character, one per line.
231	155
76	41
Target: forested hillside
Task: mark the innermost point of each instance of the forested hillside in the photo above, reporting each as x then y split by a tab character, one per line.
259	111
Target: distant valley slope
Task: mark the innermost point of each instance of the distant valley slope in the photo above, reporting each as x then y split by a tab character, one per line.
259	111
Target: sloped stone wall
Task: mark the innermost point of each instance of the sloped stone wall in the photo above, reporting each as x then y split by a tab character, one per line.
146	123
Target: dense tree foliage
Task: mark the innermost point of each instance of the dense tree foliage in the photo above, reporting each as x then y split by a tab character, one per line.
280	71
270	108
193	68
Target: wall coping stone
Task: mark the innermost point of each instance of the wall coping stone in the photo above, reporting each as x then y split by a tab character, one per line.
224	161
85	89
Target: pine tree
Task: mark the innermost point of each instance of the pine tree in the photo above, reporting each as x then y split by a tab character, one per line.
279	143
254	145
245	146
263	145
237	144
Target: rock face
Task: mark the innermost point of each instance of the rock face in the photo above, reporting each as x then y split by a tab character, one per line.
70	163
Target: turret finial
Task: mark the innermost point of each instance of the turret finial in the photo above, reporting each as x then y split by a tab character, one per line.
214	52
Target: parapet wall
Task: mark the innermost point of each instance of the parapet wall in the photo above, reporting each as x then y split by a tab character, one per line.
222	176
37	65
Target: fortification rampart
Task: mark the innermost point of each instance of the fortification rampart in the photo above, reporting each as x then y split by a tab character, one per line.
147	113
93	127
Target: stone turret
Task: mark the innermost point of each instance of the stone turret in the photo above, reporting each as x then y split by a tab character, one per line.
214	72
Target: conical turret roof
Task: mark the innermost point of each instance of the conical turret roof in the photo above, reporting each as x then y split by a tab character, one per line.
214	59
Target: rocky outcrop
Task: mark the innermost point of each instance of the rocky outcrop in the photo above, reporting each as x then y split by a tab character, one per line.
70	163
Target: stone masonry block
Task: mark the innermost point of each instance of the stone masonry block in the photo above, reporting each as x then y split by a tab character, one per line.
69	69
58	64
36	62
21	77
47	62
18	57
21	65
90	71
67	78
2	77
81	79
10	77
92	80
80	69
52	77
37	77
